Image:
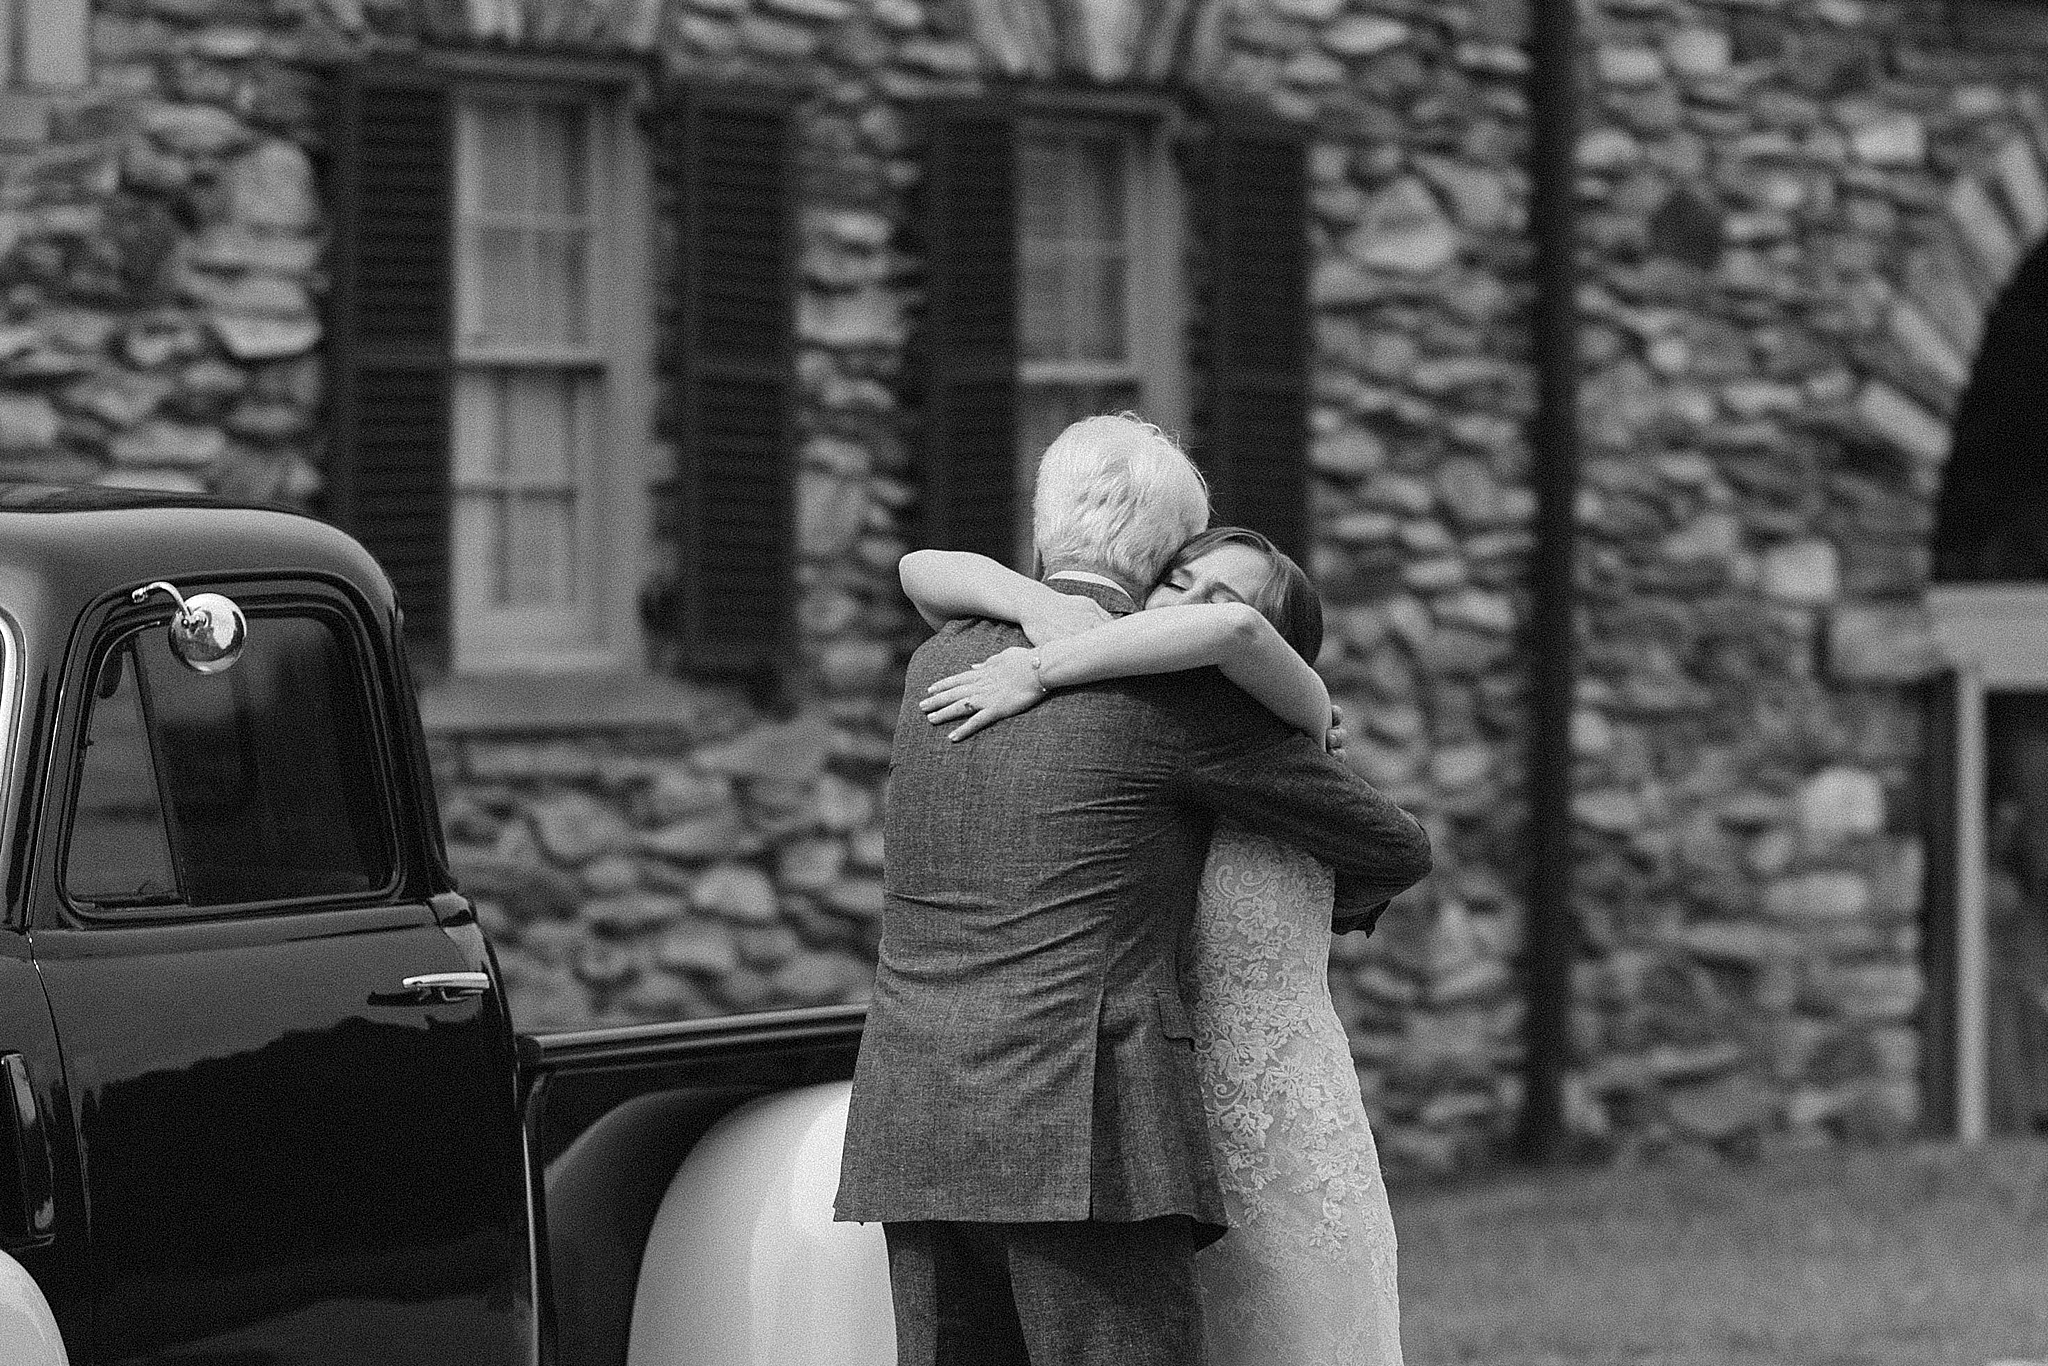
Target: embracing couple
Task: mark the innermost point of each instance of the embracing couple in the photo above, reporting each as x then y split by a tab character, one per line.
1104	1108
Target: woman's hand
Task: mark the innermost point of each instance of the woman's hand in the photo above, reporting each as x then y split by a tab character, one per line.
1001	685
1048	615
1333	738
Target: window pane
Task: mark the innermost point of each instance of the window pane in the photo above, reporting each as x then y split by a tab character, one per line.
1095	189
559	306
524	443
526	234
550	416
274	788
479	428
1041	217
478	558
1040	192
1044	304
561	159
501	307
500	175
1074	246
119	854
540	429
1098	327
541	544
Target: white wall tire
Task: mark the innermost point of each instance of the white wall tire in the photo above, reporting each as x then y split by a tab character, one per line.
744	1265
28	1331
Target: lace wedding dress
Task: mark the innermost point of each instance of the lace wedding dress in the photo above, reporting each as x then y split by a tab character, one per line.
1305	1277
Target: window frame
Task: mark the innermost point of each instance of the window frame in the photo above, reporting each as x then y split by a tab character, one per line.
269	598
11	666
1157	286
45	45
1994	636
614	493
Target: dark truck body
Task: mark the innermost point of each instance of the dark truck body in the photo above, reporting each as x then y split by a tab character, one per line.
233	1134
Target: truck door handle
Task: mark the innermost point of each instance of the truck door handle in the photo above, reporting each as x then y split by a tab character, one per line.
35	1184
430	987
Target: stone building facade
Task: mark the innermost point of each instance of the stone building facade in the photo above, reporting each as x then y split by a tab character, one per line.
1794	217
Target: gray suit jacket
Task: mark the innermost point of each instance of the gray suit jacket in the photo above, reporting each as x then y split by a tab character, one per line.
1027	1056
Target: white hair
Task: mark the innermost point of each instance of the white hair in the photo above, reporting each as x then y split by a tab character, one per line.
1116	495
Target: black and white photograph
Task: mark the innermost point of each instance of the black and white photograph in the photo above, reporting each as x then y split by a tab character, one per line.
1024	682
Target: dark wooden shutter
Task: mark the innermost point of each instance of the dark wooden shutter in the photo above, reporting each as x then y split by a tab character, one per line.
964	355
1939	902
1250	345
727	363
391	179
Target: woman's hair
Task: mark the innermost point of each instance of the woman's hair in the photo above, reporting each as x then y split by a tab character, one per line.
1115	494
1286	598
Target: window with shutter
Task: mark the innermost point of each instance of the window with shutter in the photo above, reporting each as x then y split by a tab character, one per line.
1099	284
530	571
1251	336
727	361
1051	246
487	401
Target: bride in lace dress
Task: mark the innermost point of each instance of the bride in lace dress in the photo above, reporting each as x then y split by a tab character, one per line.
1306	1276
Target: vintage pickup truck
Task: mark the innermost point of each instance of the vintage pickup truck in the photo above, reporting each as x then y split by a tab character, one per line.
261	1100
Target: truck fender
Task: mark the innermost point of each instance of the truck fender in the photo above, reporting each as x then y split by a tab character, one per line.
28	1331
745	1266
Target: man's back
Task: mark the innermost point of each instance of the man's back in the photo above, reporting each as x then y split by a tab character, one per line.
1065	817
1040	875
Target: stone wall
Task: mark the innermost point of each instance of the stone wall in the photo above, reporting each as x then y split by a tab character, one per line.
1784	261
1782	295
159	259
715	867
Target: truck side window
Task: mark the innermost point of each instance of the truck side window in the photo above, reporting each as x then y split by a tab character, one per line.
266	777
120	854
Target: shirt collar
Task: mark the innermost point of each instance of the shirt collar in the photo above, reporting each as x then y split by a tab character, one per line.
1087	577
1084	576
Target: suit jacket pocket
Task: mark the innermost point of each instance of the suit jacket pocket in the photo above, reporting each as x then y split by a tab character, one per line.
1173	1016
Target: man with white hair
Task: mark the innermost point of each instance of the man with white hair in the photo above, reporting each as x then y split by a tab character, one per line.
1026	1120
1115	497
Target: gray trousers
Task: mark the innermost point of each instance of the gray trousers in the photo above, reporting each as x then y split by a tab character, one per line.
1081	1293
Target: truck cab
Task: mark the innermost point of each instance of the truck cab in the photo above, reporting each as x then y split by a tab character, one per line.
263	1094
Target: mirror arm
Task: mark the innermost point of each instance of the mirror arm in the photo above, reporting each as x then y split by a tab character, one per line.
141	595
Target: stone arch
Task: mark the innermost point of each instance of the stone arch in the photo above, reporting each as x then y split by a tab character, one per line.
1991	520
1932	324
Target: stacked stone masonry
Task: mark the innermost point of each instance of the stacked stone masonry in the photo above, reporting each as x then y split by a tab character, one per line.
1794	217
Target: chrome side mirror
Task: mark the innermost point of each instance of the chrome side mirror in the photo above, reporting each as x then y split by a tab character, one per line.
209	631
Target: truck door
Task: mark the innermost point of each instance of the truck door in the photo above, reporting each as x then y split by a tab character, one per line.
42	1219
290	1155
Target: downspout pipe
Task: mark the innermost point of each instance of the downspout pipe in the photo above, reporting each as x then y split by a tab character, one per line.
1549	943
